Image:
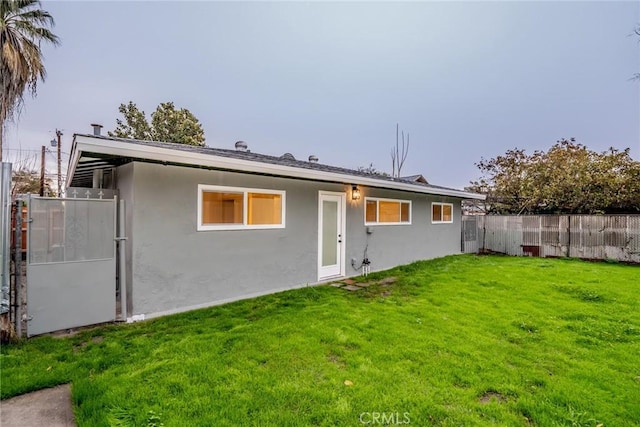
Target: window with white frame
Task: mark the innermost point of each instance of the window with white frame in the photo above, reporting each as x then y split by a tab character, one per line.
386	211
235	208
441	213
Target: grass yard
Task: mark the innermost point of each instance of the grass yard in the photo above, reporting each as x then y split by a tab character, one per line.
462	340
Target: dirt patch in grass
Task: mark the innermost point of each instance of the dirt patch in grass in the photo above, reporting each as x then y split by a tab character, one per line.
388	281
96	340
490	396
582	293
337	360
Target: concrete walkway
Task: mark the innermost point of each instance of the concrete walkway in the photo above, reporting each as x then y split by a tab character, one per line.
50	407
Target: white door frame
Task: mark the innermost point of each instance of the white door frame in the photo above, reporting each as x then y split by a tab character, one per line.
339	269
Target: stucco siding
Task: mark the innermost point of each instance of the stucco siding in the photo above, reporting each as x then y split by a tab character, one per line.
174	266
391	245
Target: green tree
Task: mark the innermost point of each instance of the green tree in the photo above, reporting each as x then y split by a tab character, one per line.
23	28
505	182
568	178
168	124
371	170
134	125
180	126
26	181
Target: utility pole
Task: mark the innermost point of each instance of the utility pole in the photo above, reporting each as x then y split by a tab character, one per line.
59	134
42	172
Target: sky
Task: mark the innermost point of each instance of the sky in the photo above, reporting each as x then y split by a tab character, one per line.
465	80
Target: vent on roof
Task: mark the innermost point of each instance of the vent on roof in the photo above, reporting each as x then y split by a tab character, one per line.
241	146
287	156
313	159
96	128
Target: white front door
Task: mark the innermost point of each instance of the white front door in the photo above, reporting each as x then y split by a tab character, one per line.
331	234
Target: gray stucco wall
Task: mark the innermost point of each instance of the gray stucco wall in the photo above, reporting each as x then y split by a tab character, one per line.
391	245
175	267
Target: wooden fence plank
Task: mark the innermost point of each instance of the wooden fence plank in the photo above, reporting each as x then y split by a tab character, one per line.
601	237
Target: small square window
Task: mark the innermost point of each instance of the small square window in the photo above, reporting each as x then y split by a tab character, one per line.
441	213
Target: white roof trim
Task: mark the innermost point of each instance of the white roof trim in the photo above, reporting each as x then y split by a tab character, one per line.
83	143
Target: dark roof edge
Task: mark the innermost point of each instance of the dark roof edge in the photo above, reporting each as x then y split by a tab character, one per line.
244	161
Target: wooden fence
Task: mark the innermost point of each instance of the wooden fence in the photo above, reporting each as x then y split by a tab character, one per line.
579	236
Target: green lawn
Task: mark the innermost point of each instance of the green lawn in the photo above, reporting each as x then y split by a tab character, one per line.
462	340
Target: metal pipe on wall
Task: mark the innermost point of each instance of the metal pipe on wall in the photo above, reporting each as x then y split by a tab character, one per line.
97	178
122	264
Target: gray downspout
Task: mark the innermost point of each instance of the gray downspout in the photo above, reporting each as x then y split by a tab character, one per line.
122	260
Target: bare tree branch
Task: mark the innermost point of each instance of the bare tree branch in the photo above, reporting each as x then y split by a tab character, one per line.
399	153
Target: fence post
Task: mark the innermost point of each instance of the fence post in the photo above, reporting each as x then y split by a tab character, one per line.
541	252
627	236
5	239
484	233
505	224
568	236
462	234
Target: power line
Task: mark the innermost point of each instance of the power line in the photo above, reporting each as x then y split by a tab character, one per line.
33	151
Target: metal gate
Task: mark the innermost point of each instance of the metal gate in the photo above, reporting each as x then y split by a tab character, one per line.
469	234
71	263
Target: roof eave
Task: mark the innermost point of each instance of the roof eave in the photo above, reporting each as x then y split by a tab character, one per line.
73	162
83	143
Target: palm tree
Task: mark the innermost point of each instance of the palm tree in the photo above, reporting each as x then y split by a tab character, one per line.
23	27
